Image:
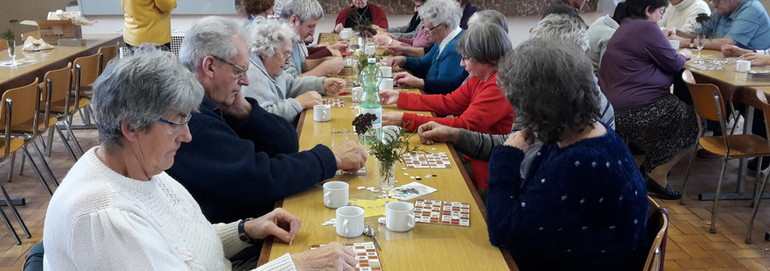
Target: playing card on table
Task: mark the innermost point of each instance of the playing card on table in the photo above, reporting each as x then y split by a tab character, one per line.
442	212
334	102
367	258
412	190
427	160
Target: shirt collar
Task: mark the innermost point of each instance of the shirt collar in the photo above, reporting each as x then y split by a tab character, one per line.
449	37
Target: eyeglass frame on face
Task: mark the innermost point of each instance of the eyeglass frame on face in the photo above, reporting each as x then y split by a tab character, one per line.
434	27
286	57
466	59
174	124
238	71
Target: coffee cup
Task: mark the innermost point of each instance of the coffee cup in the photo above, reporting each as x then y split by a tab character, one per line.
346	33
386	83
357	94
322	112
674	44
350	221
387	71
336	194
399	216
742	66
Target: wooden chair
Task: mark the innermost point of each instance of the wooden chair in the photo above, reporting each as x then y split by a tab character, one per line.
3	45
657	232
26	124
9	146
62	105
710	105
759	99
85	71
108	53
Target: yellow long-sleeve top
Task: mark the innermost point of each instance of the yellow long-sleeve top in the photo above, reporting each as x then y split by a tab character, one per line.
147	21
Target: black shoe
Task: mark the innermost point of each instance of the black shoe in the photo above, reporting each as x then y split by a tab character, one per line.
754	161
658	191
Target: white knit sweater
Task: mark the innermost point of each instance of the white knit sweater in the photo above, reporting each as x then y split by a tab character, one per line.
682	15
101	220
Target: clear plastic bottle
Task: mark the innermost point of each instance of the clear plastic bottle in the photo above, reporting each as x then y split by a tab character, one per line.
370	102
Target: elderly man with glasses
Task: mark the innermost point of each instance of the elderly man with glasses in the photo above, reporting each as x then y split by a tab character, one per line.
743	23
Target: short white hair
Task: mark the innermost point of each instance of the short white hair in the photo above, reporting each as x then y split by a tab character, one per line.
266	38
210	36
441	12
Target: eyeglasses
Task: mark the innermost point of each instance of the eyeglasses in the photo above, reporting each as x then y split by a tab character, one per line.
466	59
238	71
175	125
285	56
434	27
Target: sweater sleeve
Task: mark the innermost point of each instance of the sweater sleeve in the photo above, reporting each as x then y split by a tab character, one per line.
283	263
659	50
478	145
228	234
342	16
378	16
419	66
690	25
450	73
503	192
318	52
263	129
287	109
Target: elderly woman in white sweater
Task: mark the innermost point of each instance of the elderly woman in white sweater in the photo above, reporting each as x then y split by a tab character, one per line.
118	210
278	92
681	15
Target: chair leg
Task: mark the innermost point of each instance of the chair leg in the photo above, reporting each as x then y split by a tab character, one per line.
15	212
50	140
37	171
10	167
11	230
66	144
687	175
713	228
21	167
67	124
45	163
758	199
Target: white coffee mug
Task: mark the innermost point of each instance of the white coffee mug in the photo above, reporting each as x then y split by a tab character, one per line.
322	112
386	83
357	94
399	216
742	66
336	194
346	33
387	71
350	221
674	44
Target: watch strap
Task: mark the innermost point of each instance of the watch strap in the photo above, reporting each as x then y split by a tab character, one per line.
242	232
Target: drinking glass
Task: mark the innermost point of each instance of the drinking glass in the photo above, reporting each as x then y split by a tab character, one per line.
699	43
12	51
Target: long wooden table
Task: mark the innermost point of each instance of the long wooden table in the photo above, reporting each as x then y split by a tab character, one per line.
11	77
427	246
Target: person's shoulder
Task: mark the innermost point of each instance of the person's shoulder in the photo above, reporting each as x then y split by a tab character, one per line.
751	9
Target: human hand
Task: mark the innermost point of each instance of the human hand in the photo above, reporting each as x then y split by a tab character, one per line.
332	65
393	118
341	46
757	59
406	79
240	108
332	256
350	156
333	85
396	61
433	132
686	53
395	49
278	223
521	139
389	96
382	39
308	99
338	28
732	50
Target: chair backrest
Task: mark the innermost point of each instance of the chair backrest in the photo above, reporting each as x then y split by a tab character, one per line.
707	100
108	53
26	100
59	83
3	44
86	69
657	233
34	34
5	111
758	99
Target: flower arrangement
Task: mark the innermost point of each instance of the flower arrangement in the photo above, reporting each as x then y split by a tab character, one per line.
7	35
388	151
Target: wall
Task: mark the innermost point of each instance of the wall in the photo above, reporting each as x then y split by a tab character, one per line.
507	7
27	10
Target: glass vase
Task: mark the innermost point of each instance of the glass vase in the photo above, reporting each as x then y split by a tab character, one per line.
12	50
387	170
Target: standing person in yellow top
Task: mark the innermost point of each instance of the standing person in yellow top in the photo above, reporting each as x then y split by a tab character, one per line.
147	21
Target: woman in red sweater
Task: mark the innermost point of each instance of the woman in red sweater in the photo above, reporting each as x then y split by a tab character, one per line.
478	104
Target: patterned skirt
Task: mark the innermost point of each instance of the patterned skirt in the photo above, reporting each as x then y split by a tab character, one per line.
661	129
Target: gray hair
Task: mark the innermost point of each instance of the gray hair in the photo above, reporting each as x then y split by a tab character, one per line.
551	85
487	44
210	36
140	89
564	27
488	16
266	38
441	12
304	9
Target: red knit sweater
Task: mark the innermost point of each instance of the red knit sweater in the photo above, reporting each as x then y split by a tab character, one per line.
378	16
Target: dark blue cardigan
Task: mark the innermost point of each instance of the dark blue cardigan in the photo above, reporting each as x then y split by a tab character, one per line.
442	73
582	207
237	169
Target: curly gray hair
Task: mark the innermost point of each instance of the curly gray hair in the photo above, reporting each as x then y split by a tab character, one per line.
139	90
485	44
565	27
441	12
210	36
265	38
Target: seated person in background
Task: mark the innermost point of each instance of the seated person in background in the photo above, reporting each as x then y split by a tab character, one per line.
489	16
468	11
254	9
360	11
244	158
406	31
681	14
562	6
478	104
582	205
275	90
564	27
439	71
600	32
743	23
757	57
304	15
118	210
637	71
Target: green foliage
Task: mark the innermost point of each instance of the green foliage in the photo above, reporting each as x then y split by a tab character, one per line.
7	35
392	150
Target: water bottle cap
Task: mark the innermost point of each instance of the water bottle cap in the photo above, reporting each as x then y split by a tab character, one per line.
372	60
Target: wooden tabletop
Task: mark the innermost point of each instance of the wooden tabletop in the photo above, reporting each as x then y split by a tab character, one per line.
427	246
727	79
11	77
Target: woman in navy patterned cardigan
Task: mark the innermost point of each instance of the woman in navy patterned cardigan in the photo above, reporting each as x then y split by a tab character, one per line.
582	204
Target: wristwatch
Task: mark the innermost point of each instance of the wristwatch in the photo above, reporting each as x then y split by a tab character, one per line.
242	232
